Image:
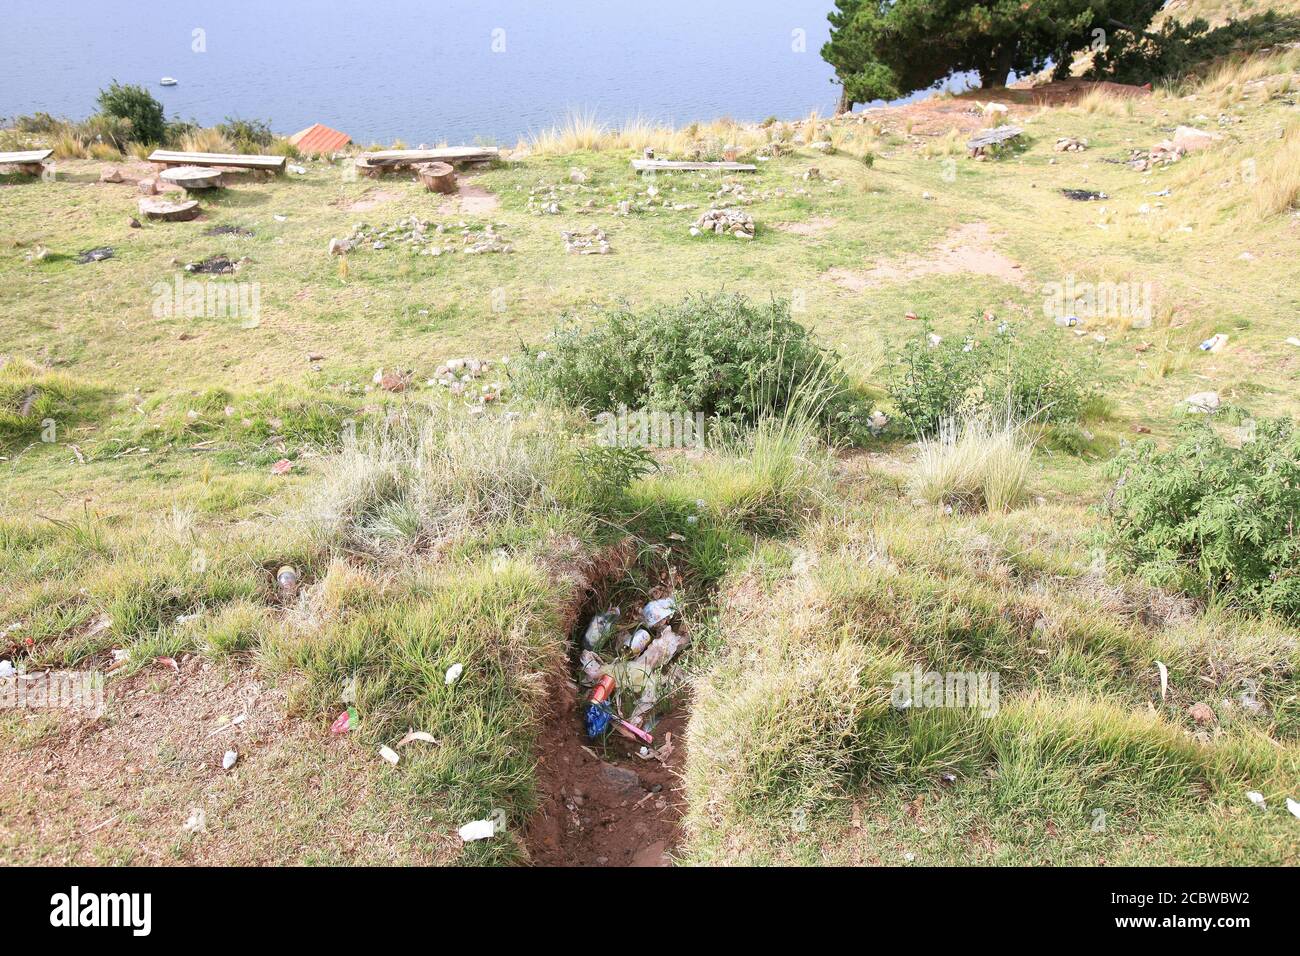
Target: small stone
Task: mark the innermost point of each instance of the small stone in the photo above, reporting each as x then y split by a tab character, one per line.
1201	713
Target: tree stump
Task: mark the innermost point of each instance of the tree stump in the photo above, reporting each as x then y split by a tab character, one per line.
437	177
366	168
192	177
164	210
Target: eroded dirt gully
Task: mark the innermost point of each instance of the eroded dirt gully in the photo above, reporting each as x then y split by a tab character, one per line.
599	802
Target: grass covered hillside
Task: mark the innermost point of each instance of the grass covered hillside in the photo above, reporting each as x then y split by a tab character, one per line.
1022	421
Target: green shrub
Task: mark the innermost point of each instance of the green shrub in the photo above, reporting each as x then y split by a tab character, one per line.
249	136
721	355
136	105
1179	49
1214	519
1000	372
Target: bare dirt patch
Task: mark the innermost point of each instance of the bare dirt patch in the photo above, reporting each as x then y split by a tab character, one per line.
474	200
601	804
121	788
968	249
369	200
816	226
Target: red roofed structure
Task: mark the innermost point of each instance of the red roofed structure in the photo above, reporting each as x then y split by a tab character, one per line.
320	139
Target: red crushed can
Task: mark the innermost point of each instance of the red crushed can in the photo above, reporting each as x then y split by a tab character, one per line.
603	690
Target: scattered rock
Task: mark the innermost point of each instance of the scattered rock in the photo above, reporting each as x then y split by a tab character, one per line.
1068	144
733	222
587	242
340	247
1188	139
1203	714
111	175
1083	195
1202	403
621	778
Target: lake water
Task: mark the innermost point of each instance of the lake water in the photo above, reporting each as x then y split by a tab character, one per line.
423	70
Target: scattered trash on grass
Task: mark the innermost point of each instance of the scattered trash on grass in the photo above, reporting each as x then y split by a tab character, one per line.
414	735
96	255
230	759
1083	195
453	674
197	822
7	670
282	467
1214	343
287	579
1164	679
389	754
344	721
478	830
168	662
1294	807
1257	798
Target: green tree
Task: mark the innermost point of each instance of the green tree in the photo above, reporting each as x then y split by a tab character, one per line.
138	106
881	49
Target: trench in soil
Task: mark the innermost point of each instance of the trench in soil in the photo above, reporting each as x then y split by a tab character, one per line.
599	802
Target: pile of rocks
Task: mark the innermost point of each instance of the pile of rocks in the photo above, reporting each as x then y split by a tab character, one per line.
586	242
1068	144
732	222
459	376
422	238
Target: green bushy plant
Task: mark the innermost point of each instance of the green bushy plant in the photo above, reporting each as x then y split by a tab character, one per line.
138	106
722	355
249	136
1179	49
932	379
1214	519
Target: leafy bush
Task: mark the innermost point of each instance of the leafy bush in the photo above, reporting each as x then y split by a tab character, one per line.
934	380
721	355
1214	519
249	136
136	105
1178	48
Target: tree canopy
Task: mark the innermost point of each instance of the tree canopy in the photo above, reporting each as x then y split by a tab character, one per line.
882	49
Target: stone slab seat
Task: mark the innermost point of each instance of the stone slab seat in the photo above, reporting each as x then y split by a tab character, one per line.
29	161
168	157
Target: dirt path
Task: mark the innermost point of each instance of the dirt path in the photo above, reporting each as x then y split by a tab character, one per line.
601	804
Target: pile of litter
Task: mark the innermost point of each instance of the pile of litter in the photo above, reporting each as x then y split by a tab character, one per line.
215	265
458	375
725	222
1083	195
628	668
423	238
586	242
95	255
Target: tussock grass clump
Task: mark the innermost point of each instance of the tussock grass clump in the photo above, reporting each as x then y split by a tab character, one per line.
207	140
31	396
423	475
974	463
1277	186
389	658
794	720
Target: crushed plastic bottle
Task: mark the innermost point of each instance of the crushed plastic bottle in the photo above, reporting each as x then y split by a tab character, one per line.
600	629
661	650
657	612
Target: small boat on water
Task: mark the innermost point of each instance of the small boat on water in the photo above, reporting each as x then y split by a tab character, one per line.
167	81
